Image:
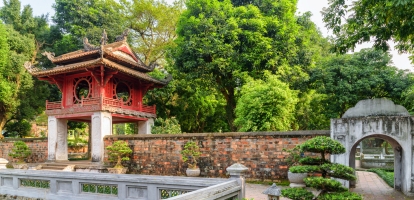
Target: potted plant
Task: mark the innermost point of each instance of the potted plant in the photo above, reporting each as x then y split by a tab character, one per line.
20	151
190	154
328	188
118	152
292	159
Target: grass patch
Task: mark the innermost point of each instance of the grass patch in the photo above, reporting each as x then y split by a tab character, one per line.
387	176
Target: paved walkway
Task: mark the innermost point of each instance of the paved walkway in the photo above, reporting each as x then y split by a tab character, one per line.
368	184
372	187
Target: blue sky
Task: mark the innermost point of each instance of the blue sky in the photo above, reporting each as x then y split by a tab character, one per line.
314	6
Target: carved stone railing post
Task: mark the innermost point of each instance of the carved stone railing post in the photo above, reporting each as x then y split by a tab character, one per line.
237	172
3	163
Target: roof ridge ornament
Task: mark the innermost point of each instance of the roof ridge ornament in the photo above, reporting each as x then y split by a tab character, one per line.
122	37
31	68
49	55
104	38
87	46
152	66
167	79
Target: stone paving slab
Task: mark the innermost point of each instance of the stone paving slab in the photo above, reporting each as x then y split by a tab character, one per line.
372	187
368	184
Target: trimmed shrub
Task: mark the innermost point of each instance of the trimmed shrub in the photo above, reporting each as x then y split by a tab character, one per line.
297	193
20	151
340	195
324	146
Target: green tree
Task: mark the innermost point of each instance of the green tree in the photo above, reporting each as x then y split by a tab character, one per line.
329	188
354	22
30	98
15	50
347	79
118	152
266	105
20	151
5	87
152	26
167	126
88	18
217	41
197	107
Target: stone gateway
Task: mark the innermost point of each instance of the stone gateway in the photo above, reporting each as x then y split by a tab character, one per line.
379	118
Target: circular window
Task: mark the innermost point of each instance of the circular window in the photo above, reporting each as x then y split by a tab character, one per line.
122	92
82	89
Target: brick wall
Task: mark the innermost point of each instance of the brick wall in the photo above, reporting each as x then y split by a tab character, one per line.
37	145
261	152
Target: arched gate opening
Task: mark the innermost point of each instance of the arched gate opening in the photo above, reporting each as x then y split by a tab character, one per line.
379	118
397	157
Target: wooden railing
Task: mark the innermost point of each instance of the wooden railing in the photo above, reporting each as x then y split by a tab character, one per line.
148	109
111	102
53	105
90	101
104	102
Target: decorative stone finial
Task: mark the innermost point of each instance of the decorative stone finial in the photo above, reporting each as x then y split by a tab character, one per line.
3	163
237	169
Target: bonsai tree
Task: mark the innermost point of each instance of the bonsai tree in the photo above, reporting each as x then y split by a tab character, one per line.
329	188
190	154
20	151
118	152
293	157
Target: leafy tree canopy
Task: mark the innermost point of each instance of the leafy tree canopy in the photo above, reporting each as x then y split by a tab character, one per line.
152	26
354	22
27	37
217	41
14	79
266	105
88	18
347	79
197	107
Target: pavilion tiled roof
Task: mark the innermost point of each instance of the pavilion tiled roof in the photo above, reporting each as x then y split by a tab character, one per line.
117	51
117	55
90	64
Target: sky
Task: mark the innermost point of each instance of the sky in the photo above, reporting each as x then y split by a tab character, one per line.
314	6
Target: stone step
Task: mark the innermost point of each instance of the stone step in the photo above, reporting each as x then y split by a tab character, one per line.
52	168
55	164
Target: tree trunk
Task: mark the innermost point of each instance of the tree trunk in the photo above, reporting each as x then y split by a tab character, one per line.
228	94
118	163
230	106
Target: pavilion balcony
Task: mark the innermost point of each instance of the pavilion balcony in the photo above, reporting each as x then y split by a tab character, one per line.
99	104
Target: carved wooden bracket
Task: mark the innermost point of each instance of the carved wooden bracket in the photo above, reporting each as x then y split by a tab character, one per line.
108	76
54	80
95	75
